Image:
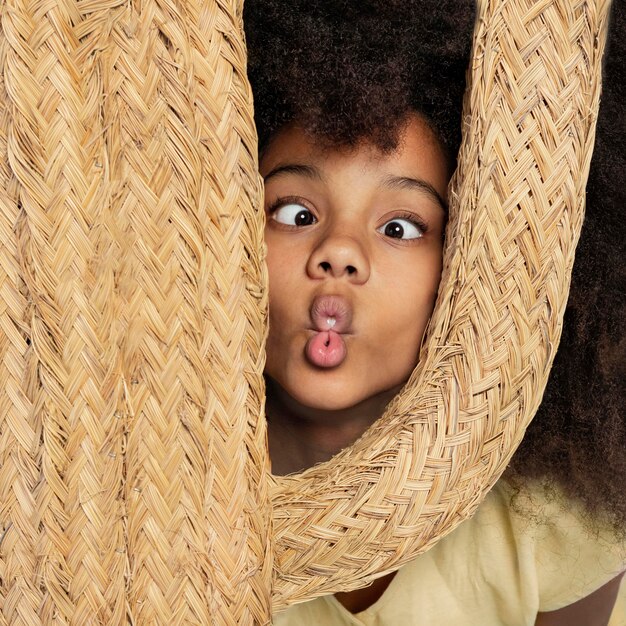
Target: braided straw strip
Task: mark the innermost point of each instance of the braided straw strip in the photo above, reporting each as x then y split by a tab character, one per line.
183	157
444	441
20	430
70	510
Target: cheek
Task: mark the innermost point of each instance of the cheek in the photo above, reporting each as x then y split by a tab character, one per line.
406	308
283	275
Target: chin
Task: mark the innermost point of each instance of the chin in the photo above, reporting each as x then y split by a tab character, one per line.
323	391
327	402
325	398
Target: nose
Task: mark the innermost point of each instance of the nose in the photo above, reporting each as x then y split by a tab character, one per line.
339	256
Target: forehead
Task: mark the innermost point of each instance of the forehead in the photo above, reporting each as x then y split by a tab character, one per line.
418	154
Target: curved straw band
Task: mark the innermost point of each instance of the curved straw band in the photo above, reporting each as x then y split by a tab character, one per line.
517	203
134	483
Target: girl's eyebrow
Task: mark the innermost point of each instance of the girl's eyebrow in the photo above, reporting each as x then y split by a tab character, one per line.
415	184
307	171
391	181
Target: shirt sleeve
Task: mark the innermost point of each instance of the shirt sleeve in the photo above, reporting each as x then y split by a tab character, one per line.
573	556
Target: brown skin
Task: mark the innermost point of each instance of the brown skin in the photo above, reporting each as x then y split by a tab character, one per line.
328	213
594	610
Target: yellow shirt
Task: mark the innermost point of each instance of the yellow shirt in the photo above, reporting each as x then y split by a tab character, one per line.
499	568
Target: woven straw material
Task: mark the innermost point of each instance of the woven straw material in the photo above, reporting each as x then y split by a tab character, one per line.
134	485
61	471
516	212
20	431
133	457
183	161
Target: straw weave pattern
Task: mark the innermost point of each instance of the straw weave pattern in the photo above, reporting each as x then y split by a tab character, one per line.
181	144
134	485
68	387
133	453
517	204
20	432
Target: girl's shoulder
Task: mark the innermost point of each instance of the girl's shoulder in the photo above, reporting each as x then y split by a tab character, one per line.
532	535
527	549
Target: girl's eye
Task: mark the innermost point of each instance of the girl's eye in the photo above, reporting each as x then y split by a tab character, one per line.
294	215
398	228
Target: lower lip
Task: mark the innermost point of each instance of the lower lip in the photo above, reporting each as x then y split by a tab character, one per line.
326	349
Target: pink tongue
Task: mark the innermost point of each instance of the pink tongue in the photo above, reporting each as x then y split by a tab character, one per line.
326	349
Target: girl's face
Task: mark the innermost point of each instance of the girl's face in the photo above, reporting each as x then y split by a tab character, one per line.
354	242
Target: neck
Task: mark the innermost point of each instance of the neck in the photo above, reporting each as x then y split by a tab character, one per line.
300	437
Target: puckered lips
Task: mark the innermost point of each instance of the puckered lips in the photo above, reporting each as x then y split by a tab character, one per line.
331	316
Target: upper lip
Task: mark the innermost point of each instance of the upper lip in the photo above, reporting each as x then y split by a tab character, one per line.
326	308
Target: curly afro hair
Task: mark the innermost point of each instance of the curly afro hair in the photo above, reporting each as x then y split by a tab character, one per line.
348	70
351	70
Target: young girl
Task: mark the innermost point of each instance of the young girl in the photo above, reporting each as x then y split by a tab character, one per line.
358	109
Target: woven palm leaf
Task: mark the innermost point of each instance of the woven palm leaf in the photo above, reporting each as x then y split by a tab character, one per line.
134	477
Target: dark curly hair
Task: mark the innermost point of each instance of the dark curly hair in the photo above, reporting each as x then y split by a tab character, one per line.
353	69
350	70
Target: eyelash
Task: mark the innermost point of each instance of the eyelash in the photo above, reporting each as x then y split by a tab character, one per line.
280	202
410	217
